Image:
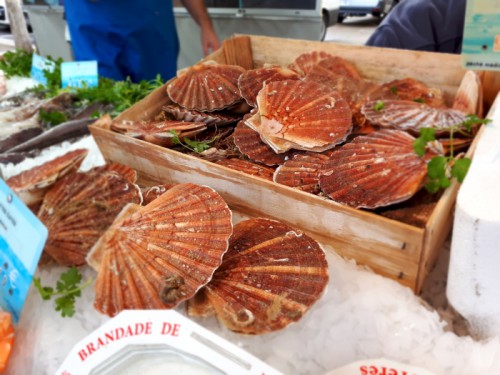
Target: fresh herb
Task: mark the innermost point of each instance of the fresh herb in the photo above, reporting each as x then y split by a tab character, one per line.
394	90
196	146
379	105
419	100
67	290
51	118
441	169
16	63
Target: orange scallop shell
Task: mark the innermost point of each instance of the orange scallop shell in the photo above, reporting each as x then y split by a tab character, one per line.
32	184
248	167
150	193
410	89
80	207
270	277
250	144
411	116
469	99
301	172
206	87
303	63
164	252
302	115
252	81
375	170
208	118
340	66
158	132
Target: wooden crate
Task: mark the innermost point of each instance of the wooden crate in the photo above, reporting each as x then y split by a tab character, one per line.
391	248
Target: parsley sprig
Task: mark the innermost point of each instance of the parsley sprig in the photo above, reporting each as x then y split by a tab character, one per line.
68	288
195	146
441	169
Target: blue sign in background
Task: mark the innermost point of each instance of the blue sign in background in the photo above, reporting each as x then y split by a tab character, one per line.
79	74
22	238
38	65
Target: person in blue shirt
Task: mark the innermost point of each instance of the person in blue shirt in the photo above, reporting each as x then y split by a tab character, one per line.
131	38
426	25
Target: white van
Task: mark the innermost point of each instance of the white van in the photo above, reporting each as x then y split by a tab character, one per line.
377	8
4	17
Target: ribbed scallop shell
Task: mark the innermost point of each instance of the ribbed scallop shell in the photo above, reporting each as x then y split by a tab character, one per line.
252	81
301	172
303	63
248	167
374	170
128	173
158	132
80	207
307	115
469	95
410	89
340	66
163	253
249	144
411	116
31	185
206	87
270	277
150	193
208	118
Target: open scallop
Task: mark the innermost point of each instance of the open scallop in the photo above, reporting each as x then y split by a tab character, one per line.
270	277
252	81
375	170
207	86
217	118
301	115
304	62
248	167
162	253
80	207
150	193
31	185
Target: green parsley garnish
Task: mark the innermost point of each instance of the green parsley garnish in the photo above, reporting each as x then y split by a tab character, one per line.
379	105
196	146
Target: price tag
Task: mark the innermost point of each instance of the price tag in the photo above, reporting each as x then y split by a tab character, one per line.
379	366
22	238
38	67
79	74
481	43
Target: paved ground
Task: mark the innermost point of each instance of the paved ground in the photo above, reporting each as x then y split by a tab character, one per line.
354	30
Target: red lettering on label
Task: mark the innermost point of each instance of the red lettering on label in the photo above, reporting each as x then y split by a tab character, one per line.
139	329
175	331
149	328
119	333
82	354
169	329
109	337
90	348
363	370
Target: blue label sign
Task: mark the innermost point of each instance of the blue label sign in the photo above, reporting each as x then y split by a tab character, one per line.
38	67
79	74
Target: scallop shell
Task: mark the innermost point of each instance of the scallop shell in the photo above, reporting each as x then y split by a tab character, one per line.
31	185
208	118
249	144
411	116
469	98
340	66
307	115
252	81
150	193
79	208
303	63
374	170
410	89
128	173
206	87
301	172
248	167
164	252
158	132
270	277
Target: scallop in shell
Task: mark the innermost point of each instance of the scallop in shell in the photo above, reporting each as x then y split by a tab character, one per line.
206	87
158	132
270	277
252	81
469	98
411	116
164	252
219	118
375	170
247	167
302	115
31	185
150	193
340	66
303	63
250	144
80	207
410	89
301	172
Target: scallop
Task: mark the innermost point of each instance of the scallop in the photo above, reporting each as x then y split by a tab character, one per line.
247	167
340	66
469	95
270	277
80	207
250	144
31	185
206	87
218	118
411	116
162	253
150	193
410	89
159	132
375	170
252	81
301	172
302	115
303	63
